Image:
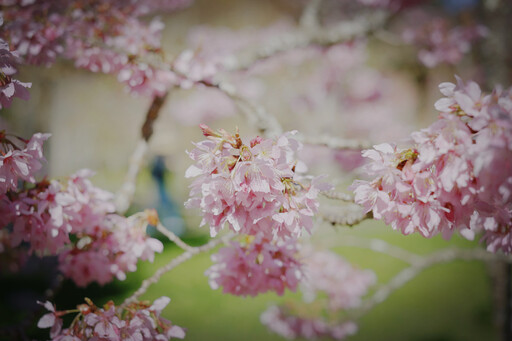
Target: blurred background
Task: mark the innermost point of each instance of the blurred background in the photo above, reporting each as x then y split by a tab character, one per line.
379	88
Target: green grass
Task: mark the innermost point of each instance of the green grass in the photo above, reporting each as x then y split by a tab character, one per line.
446	302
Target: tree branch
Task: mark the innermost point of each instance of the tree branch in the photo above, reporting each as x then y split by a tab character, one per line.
345	219
171	265
335	142
174	238
125	194
444	256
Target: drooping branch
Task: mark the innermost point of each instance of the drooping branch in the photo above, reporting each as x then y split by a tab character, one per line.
376	245
444	256
172	264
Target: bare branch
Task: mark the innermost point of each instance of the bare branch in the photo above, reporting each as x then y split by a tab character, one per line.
338	196
171	265
174	238
266	123
348	218
335	142
376	245
444	256
125	194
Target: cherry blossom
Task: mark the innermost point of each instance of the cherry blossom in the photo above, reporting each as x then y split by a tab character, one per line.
255	265
113	249
19	159
440	43
137	321
278	320
102	36
457	175
10	87
72	219
328	273
254	187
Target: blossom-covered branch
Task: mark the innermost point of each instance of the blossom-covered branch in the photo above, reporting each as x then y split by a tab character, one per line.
456	177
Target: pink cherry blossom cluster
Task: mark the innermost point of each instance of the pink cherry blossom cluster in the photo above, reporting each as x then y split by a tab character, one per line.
101	36
46	214
19	160
254	187
255	265
110	249
329	282
281	322
136	321
10	87
458	175
440	43
327	273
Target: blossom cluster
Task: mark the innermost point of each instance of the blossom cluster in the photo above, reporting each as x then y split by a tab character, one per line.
101	36
281	322
9	86
456	177
136	321
439	43
255	266
46	214
329	282
254	190
342	283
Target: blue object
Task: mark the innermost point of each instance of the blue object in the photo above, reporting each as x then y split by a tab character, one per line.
457	6
167	210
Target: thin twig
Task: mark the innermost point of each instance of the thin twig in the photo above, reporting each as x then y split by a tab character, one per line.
171	265
266	123
174	238
338	196
125	194
328	36
344	219
374	244
409	273
335	142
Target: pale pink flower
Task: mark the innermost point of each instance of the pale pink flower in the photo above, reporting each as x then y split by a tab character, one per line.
328	273
20	163
255	266
138	321
288	326
440	43
253	188
10	87
51	319
457	176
